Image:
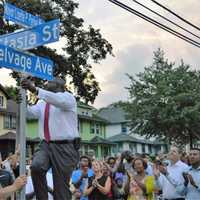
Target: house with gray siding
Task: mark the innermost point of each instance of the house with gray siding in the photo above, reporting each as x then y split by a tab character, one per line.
118	131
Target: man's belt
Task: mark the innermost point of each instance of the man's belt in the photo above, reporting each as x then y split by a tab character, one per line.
75	141
61	141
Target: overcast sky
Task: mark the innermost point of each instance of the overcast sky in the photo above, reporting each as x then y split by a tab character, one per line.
134	41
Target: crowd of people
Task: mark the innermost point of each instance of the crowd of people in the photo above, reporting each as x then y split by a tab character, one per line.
56	172
172	176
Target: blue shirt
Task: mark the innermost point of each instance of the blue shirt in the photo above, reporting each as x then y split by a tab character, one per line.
193	193
149	169
76	175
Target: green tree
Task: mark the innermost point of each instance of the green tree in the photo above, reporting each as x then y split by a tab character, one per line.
82	47
12	92
165	101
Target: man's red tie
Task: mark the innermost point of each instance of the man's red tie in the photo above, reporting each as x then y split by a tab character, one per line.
46	123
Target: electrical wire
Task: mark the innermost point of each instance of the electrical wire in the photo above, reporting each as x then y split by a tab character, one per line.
186	21
166	28
166	18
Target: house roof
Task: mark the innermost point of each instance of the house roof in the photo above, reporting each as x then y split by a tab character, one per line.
122	137
113	114
12	107
93	118
4	91
12	136
8	136
100	140
89	118
84	105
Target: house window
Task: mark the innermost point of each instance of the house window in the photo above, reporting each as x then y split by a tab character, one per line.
78	125
132	147
124	128
150	148
1	101
92	128
143	148
97	128
9	122
81	127
120	147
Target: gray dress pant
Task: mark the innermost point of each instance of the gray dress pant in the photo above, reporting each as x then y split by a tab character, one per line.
62	158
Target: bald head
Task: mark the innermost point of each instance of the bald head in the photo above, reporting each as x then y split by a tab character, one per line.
56	85
59	81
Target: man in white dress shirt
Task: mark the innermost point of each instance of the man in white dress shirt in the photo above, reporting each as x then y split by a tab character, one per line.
56	111
170	178
191	186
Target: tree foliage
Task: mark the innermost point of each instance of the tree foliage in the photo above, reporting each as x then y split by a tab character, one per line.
82	47
12	92
165	101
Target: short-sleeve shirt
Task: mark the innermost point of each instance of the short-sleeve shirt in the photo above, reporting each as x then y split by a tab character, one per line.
76	177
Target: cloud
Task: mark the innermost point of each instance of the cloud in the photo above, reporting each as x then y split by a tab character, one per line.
5	79
134	41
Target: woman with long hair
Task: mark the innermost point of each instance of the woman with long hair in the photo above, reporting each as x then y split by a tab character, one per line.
99	185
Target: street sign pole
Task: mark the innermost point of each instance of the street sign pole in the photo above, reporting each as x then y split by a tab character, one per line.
22	137
12	57
17	127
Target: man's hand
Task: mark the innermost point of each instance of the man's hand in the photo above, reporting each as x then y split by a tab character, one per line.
77	194
28	85
20	182
17	150
163	169
13	161
156	171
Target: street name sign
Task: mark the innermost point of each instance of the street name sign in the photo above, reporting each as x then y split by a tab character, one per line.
30	38
26	63
21	17
38	34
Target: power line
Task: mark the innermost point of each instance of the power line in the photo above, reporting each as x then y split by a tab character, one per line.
165	18
166	28
186	21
